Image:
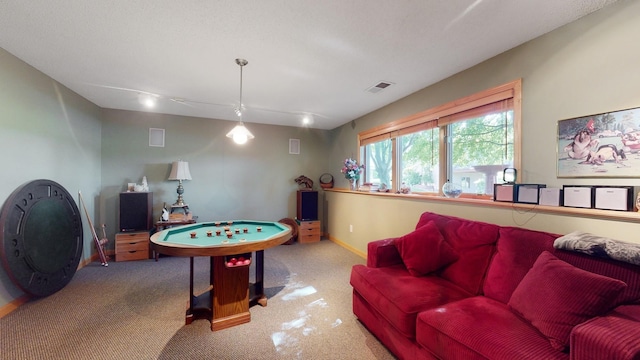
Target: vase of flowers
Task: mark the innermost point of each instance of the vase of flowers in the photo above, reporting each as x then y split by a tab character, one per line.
352	171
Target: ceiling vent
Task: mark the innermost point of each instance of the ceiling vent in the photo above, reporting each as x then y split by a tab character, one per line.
379	87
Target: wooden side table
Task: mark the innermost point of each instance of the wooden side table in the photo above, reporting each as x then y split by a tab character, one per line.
161	225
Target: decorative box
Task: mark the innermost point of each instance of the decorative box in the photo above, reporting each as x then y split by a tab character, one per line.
614	198
528	193
550	197
577	196
503	192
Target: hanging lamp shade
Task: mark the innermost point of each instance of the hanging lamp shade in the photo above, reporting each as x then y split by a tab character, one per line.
240	134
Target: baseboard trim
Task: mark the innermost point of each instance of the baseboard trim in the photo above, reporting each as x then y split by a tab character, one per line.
16	303
347	246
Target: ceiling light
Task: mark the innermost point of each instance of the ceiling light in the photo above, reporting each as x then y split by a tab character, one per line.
240	134
307	119
146	99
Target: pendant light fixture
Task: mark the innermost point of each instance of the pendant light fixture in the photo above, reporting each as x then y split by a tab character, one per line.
240	134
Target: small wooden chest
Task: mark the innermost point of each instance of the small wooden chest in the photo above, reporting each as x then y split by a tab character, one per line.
309	231
132	246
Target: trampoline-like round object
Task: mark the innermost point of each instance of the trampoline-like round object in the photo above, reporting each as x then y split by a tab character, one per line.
40	237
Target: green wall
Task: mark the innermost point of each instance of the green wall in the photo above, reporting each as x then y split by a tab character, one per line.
229	181
46	132
587	67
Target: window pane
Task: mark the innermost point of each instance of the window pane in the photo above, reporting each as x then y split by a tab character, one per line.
419	160
480	149
378	157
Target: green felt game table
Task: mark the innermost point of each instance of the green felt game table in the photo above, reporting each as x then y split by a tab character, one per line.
231	246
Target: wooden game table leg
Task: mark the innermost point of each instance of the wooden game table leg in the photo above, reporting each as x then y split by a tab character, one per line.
189	316
200	307
258	287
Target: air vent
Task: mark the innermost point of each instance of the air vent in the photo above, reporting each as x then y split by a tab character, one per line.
379	87
294	146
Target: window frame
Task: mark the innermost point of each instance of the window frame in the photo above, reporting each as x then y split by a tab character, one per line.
444	114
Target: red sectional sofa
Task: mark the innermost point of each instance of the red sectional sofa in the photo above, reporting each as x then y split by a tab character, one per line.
462	289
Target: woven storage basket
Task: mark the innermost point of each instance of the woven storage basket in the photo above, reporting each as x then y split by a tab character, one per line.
326	181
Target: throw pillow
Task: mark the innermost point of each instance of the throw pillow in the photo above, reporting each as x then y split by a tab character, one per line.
425	250
556	296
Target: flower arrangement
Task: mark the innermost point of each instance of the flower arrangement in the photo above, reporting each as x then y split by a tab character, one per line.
352	170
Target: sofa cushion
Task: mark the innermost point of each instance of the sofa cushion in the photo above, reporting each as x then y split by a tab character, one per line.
399	296
625	272
473	241
425	250
381	253
556	296
481	328
516	251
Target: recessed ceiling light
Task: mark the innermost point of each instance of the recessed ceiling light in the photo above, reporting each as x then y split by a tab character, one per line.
307	119
148	100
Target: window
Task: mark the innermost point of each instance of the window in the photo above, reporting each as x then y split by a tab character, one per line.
418	160
468	141
378	159
480	148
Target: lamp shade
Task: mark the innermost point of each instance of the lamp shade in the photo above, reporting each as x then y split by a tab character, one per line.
180	171
240	134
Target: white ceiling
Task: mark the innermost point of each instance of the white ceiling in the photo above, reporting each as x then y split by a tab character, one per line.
305	56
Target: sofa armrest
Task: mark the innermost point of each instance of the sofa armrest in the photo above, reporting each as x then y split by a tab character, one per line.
615	336
382	253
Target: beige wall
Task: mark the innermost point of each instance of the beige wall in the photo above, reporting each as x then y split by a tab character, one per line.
587	67
388	216
46	132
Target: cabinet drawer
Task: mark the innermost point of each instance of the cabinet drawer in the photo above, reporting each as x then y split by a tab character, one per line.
311	223
133	255
130	237
308	238
126	247
304	232
309	226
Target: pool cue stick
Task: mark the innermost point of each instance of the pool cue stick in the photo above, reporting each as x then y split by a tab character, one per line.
103	259
104	240
99	248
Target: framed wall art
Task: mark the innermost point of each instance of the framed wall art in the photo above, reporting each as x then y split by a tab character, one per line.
602	145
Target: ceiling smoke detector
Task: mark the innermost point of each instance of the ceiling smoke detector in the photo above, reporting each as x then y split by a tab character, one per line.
379	87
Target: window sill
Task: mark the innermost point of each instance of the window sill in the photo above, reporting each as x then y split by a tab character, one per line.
628	216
